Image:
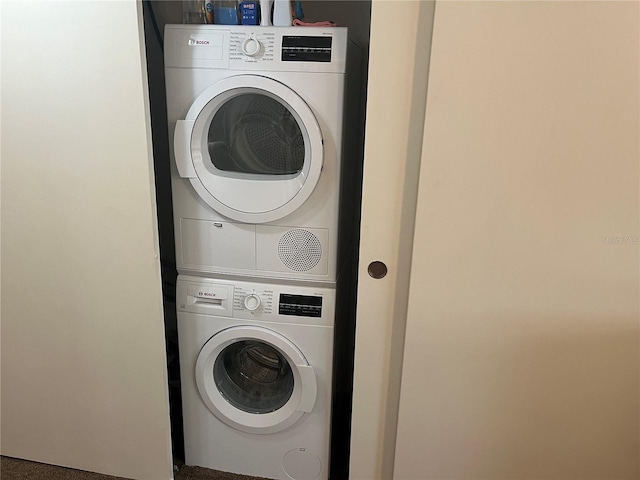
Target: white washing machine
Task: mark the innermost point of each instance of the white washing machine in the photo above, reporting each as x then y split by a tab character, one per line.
255	120
256	368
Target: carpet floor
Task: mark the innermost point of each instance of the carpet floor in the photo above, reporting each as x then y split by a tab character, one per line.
16	469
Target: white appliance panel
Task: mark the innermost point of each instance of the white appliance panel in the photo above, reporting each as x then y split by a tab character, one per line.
292	441
319	86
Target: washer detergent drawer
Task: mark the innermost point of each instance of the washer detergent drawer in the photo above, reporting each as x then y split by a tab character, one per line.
206	244
207	299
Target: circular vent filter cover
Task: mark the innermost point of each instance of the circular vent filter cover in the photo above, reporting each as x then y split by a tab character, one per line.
300	250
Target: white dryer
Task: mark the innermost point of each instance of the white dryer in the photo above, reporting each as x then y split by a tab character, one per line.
255	120
256	369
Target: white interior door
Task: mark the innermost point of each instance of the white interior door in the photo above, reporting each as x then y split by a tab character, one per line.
396	98
522	344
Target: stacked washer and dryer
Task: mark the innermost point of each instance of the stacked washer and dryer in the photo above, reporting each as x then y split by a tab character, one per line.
256	123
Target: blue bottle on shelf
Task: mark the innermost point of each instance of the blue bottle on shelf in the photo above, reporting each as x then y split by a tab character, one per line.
249	12
225	12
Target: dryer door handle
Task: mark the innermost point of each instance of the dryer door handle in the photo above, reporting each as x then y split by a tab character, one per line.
309	388
182	148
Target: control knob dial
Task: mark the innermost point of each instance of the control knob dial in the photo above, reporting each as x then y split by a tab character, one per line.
251	46
252	302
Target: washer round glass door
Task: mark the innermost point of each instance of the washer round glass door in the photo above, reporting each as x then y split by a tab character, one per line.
254	146
254	379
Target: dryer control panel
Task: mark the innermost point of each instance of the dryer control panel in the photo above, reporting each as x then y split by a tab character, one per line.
247	47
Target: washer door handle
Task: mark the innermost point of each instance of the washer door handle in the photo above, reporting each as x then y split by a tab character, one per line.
182	148
309	388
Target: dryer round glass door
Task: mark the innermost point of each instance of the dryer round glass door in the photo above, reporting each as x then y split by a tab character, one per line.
251	147
255	379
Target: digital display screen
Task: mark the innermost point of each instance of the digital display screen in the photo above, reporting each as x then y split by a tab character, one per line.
300	305
306	49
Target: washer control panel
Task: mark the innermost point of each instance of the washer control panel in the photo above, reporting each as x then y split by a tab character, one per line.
256	301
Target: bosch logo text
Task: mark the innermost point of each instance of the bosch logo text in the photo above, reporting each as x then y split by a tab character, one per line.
198	42
206	294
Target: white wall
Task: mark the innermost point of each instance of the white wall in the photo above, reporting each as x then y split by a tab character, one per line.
83	364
